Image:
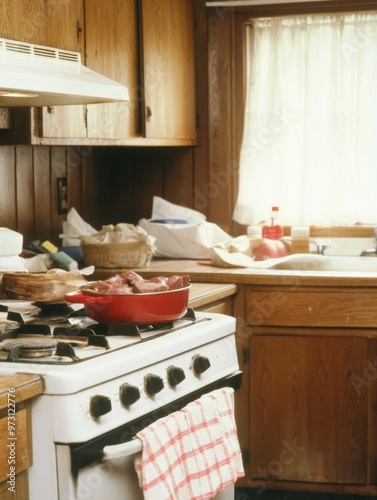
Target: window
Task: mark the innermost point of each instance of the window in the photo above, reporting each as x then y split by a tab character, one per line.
310	131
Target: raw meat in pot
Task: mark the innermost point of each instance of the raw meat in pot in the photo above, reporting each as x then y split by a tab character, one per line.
176	282
130	277
115	280
98	287
159	279
130	282
149	287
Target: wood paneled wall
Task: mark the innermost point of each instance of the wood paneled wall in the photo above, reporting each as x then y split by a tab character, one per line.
105	185
28	186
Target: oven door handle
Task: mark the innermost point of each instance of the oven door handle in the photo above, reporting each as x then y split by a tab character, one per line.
122	450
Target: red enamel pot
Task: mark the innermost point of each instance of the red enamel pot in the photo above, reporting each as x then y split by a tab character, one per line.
136	308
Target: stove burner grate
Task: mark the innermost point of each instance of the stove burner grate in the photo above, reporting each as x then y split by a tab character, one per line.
50	343
35	348
53	309
87	333
135	329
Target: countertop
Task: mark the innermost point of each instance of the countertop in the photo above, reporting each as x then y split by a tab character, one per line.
202	294
23	386
204	272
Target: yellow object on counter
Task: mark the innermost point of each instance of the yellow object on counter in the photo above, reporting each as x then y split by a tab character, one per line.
50	247
60	259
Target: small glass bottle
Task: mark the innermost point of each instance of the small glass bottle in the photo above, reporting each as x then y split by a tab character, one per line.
273	230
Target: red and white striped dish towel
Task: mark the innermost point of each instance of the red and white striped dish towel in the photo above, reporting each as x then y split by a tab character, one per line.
193	453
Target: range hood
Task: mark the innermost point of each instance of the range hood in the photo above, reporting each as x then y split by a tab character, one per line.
35	75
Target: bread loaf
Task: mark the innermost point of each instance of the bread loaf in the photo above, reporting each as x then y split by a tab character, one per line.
43	287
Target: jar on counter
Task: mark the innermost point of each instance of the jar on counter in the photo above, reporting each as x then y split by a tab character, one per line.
300	239
254	233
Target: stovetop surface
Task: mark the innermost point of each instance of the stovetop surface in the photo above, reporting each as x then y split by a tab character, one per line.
67	335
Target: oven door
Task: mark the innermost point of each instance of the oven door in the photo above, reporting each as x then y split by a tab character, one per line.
104	467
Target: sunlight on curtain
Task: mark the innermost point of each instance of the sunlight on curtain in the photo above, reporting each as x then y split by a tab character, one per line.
310	132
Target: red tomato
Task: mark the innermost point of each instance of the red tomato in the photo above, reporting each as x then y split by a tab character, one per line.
270	249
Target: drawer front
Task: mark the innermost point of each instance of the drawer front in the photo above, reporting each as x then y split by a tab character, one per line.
310	306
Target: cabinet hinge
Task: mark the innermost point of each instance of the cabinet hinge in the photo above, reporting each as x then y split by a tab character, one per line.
245	457
245	355
149	113
85	112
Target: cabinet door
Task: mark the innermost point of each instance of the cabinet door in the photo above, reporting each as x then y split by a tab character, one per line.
65	121
112	49
168	68
308	420
43	22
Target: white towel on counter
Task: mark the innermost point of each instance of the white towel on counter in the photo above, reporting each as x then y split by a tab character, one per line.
193	453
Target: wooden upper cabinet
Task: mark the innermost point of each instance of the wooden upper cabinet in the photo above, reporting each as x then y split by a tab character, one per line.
112	50
167	40
43	22
55	24
149	47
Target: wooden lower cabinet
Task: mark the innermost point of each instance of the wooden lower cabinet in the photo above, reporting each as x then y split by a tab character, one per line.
309	409
20	492
16	453
312	404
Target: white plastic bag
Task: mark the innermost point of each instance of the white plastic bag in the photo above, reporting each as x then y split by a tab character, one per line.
190	240
73	228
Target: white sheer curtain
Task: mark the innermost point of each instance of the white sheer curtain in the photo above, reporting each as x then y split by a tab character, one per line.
310	132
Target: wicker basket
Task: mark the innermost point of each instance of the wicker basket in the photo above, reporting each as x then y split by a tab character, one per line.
118	255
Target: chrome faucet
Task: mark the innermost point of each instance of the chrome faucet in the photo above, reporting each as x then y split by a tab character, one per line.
371	252
321	247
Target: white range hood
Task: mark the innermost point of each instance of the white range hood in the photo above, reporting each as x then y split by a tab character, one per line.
35	75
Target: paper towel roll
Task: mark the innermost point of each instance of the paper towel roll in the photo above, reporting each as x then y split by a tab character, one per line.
10	242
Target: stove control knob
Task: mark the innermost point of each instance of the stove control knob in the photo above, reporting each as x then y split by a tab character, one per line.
175	375
99	405
153	384
200	364
128	394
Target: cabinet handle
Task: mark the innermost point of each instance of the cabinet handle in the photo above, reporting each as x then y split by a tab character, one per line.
149	114
78	30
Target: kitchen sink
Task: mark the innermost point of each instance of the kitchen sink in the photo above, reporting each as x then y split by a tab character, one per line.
327	263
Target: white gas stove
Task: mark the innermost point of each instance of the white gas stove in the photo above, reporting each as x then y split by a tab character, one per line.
101	388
